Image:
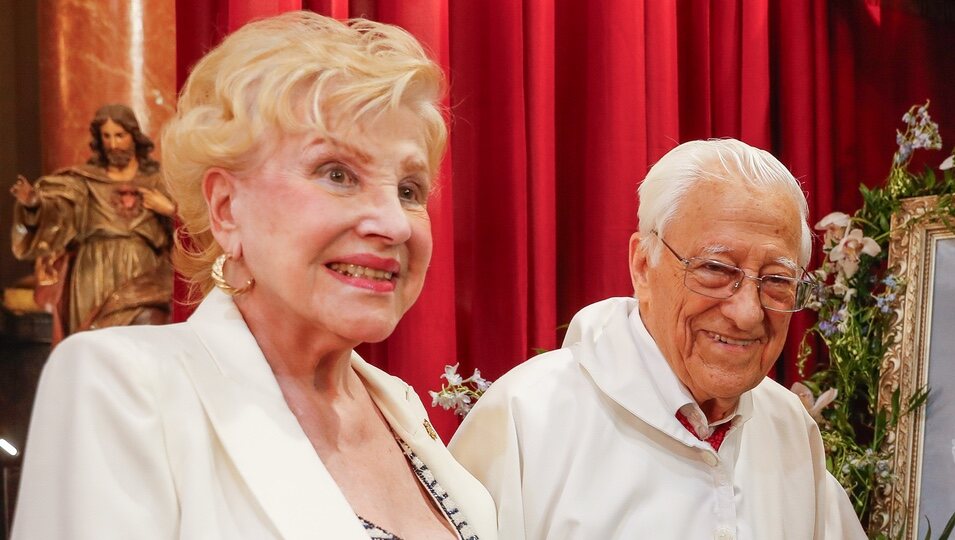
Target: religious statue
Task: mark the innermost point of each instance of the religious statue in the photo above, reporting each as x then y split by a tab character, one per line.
100	233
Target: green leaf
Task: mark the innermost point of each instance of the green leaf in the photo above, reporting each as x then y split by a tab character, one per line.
896	407
947	531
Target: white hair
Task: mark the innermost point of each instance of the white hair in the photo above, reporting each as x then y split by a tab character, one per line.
670	179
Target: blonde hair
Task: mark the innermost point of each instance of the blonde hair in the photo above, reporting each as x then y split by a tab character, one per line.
286	75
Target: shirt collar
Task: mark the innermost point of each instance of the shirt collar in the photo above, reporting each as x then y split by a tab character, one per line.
674	394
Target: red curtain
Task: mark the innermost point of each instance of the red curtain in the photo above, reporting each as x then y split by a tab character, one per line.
559	108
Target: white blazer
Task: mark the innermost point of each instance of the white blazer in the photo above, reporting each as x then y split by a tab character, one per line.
181	431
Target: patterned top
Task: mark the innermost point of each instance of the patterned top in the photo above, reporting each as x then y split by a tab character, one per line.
445	503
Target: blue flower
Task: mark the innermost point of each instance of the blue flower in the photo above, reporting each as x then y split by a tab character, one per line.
890	281
905	151
884	302
833	324
827	328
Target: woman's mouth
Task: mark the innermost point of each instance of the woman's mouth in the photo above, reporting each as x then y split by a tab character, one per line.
358	271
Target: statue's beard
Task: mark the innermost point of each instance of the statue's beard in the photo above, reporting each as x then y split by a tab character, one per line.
119	158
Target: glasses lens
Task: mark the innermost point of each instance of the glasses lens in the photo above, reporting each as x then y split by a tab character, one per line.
718	280
711	278
804	293
779	292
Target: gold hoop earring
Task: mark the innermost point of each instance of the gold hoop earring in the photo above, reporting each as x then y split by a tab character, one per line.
219	278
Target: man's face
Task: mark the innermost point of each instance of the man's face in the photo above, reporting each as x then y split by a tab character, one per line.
117	144
719	348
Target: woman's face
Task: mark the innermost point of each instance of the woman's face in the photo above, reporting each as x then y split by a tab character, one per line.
335	228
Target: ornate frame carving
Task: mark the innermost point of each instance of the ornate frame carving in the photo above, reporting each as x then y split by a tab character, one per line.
905	366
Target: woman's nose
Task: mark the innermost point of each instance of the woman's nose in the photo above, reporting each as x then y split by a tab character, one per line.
386	217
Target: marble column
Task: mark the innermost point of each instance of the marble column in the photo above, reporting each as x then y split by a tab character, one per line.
93	53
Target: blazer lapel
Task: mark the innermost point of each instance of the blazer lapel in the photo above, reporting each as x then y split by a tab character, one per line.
401	407
395	399
259	432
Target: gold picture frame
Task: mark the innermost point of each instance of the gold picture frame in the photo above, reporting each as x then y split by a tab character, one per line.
919	241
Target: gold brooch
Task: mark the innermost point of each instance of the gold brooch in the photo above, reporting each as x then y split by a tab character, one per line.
430	429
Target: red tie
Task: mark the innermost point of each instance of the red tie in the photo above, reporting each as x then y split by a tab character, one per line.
715	440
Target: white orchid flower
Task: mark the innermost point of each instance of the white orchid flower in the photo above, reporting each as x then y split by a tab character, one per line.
451	374
814	405
444	400
462	403
841	288
459	394
844	313
847	252
479	382
834	225
835	219
948	163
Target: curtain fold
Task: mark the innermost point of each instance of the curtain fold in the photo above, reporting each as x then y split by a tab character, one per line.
559	108
803	118
601	138
539	41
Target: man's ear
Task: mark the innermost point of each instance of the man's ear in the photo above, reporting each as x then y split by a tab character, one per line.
639	267
219	190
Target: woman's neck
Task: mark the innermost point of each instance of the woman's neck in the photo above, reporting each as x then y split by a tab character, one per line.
300	353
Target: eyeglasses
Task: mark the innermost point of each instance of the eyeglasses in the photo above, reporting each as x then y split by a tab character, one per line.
719	280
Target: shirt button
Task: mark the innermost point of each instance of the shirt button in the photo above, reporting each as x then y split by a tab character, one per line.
724	533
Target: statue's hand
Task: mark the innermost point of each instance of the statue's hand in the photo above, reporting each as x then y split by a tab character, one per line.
23	191
154	200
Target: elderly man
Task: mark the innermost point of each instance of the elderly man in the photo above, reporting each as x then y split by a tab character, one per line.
656	419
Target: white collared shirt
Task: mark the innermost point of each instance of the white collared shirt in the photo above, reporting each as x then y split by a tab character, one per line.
675	395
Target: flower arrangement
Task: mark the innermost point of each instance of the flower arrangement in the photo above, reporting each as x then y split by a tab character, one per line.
856	305
459	393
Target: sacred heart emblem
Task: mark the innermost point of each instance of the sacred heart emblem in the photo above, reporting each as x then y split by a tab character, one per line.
127	201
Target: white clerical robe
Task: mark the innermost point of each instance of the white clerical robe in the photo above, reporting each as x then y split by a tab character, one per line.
577	443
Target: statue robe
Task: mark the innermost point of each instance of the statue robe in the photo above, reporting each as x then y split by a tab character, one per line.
120	272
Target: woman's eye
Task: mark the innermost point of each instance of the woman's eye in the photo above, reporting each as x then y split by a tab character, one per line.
336	174
411	192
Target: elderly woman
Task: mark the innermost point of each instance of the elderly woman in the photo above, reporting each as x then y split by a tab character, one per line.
301	158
